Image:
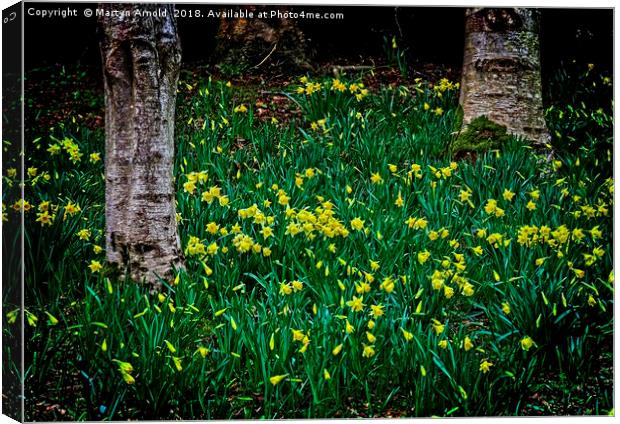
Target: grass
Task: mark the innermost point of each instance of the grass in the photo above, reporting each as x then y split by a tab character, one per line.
339	264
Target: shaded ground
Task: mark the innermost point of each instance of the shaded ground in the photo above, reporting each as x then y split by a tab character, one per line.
555	394
55	94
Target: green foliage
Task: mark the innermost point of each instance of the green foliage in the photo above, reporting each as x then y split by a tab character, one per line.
337	264
579	114
395	55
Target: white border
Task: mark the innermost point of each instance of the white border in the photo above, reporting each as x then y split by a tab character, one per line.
459	3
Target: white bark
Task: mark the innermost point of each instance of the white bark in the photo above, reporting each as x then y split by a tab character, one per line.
141	58
501	71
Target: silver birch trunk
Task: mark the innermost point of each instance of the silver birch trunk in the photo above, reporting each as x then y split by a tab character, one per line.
141	58
501	71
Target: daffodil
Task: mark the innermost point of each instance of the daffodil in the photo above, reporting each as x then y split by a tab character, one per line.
406	334
266	232
526	343
376	178
170	346
356	304
95	266
212	248
71	209
468	289
490	207
399	202
128	378
467	344
336	350
438	327
485	366
298	335
423	256
52	320
357	224
277	378
283	199
388	284
326	374
84	234
124	366
376	310
213	227
368	351
508	195
189	187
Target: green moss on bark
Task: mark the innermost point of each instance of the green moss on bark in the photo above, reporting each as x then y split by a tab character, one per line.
480	135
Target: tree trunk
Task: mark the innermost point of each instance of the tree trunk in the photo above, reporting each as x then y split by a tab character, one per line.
141	56
501	71
245	43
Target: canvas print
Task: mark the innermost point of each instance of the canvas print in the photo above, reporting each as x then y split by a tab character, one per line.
261	211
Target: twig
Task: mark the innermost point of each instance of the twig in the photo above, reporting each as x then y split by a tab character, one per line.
352	67
400	30
266	57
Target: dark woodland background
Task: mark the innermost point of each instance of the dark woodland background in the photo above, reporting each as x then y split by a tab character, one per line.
430	35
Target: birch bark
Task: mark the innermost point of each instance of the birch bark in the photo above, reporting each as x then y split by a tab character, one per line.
501	71
141	58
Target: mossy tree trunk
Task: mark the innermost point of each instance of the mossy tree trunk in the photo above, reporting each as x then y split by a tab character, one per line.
501	71
141	58
277	42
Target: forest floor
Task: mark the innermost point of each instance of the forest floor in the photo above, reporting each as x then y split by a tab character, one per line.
78	90
364	181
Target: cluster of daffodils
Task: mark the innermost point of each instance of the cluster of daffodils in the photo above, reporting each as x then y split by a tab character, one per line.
444	85
308	87
72	149
193	179
291	287
323	221
451	272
